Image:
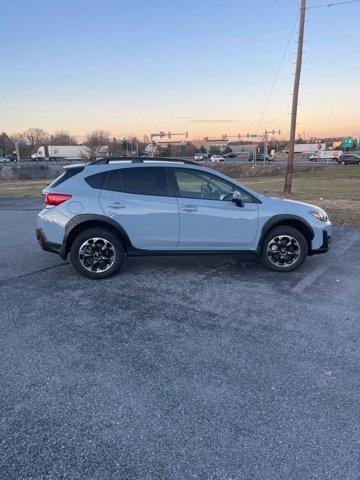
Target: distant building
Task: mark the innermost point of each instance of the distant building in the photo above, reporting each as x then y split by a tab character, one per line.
176	147
208	144
239	148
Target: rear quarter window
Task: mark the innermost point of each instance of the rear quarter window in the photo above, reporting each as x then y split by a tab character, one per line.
69	173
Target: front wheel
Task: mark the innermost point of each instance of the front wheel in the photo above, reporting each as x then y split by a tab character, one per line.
97	253
284	249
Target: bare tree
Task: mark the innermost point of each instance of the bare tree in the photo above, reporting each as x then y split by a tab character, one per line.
35	137
62	138
6	144
116	147
97	143
24	148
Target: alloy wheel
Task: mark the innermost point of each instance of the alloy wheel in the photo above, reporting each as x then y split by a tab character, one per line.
97	255
283	251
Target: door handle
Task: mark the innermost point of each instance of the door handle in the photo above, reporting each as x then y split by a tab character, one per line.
116	205
189	208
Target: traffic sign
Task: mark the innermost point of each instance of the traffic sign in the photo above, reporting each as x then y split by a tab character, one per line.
348	142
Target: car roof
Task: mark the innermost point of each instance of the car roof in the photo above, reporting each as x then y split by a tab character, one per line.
108	160
98	166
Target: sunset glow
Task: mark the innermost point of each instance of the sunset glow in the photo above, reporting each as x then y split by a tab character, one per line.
200	66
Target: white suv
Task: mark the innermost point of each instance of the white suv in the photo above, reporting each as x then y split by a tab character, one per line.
102	211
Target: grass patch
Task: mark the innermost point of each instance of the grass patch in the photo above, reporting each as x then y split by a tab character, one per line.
22	188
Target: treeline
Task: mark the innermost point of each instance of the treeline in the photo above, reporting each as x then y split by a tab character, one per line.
30	140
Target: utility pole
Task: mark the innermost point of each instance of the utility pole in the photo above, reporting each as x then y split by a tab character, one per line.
290	164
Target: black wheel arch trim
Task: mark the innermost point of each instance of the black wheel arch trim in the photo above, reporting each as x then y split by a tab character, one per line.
281	219
89	217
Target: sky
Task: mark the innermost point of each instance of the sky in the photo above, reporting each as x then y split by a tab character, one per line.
133	67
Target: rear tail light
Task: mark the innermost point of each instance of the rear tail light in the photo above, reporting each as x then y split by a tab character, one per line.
55	198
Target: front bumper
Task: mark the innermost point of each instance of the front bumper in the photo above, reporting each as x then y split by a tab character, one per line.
44	243
326	244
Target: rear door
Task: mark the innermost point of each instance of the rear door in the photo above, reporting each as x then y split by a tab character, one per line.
209	219
140	200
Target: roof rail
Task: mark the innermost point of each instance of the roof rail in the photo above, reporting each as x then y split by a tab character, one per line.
106	160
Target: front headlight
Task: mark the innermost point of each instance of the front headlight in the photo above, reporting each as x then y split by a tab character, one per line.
320	215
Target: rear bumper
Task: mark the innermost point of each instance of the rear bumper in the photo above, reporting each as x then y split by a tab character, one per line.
327	240
44	243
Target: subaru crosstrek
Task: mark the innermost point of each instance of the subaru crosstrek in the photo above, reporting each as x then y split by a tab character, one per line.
102	211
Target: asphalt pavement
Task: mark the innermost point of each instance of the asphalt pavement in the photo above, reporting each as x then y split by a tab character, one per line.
207	368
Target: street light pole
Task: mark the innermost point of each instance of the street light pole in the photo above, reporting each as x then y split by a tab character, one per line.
290	164
265	146
266	139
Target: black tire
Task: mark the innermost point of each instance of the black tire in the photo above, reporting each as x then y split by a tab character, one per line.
114	246
297	247
342	162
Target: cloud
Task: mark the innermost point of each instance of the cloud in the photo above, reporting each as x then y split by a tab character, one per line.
184	118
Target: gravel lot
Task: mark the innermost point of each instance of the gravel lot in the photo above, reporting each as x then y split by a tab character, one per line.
206	368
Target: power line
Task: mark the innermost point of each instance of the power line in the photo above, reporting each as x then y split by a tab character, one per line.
286	50
277	74
334	4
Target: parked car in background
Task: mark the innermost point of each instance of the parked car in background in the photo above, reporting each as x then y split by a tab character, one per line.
333	155
230	155
201	156
349	159
217	158
98	213
260	158
8	159
11	158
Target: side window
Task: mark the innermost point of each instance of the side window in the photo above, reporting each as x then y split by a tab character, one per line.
140	181
97	180
195	184
113	181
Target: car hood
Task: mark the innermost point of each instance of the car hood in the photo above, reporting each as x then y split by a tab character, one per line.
297	204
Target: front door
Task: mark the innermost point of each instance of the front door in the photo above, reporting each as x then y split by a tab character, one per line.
138	198
209	219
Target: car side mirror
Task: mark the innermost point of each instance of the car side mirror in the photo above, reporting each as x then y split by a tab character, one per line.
237	199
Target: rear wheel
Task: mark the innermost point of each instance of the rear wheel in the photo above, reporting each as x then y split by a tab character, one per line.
284	249
342	162
97	253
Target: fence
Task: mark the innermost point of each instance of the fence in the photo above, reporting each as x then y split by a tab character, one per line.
30	171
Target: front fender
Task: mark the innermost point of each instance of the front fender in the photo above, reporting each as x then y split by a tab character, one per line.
286	219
